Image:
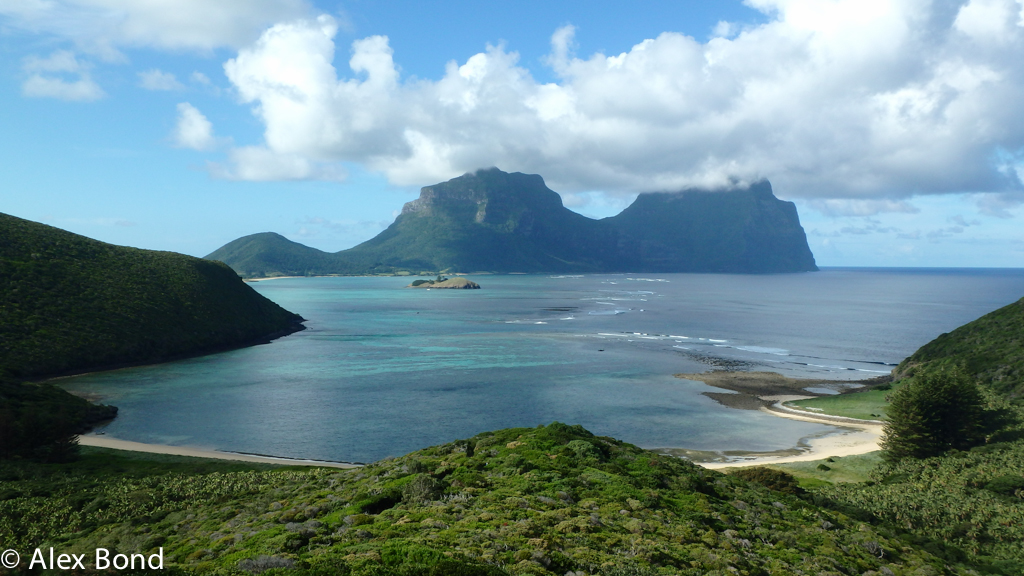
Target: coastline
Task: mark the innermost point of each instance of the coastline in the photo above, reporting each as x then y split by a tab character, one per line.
296	326
766	392
103	441
854	438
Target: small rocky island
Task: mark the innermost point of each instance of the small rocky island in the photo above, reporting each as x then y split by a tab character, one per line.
442	282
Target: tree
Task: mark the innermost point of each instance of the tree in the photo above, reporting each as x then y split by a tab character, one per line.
934	413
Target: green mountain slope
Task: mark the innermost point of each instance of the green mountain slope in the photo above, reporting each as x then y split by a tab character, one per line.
268	254
990	348
69	303
551	500
493	221
488	221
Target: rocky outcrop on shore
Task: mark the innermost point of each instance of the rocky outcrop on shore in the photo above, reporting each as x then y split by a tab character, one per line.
455	283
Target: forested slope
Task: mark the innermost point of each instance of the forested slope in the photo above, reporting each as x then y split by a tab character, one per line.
69	303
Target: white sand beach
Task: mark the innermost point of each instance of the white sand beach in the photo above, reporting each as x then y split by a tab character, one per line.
855	437
104	441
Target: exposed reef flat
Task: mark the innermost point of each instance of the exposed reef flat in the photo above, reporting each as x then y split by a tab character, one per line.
767	392
754	390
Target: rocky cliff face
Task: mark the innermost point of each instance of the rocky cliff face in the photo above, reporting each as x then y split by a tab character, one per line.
493	221
746	230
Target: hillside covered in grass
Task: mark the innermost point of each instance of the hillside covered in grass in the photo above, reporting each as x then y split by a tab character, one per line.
69	303
990	349
551	500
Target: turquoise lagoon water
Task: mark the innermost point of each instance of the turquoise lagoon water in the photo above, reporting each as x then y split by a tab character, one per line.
383	370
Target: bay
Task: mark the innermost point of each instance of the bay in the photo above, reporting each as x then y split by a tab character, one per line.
383	370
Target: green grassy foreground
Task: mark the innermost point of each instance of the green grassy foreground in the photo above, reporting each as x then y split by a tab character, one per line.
546	500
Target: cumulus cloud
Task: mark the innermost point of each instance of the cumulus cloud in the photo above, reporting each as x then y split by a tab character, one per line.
841	99
193	130
159	80
60	75
102	26
260	164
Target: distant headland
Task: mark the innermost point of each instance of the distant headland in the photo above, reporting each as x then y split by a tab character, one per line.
72	304
497	222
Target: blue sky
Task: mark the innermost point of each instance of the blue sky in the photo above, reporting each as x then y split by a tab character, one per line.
894	125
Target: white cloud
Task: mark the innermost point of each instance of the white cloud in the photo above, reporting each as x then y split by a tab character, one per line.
103	26
193	130
60	75
870	207
155	79
853	99
724	29
260	164
200	78
988	20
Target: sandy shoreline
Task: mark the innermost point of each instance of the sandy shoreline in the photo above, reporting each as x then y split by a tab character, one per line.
853	438
103	441
763	391
766	392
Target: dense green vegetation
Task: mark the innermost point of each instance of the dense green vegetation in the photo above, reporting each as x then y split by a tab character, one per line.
990	349
40	421
952	478
69	303
934	413
964	506
499	222
547	500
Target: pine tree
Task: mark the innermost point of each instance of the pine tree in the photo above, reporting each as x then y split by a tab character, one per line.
934	413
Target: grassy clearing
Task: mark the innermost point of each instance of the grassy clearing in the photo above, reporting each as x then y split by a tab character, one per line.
839	470
867	405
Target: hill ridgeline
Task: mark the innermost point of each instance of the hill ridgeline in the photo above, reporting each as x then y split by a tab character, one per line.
493	221
71	304
990	348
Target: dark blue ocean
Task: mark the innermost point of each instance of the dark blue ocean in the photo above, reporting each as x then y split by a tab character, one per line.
383	370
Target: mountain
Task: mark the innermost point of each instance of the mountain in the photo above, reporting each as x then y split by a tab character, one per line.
269	254
493	221
990	348
746	230
70	304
